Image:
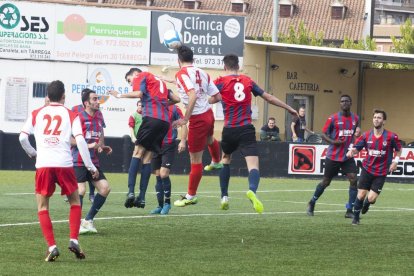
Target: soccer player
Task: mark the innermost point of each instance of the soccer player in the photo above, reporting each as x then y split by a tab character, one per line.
197	91
78	109
53	125
134	123
238	132
339	132
92	130
163	161
381	145
155	99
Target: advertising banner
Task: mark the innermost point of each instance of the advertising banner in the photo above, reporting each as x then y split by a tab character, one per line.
45	31
26	30
209	36
310	160
103	35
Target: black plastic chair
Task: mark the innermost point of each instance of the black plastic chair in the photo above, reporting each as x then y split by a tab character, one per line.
314	139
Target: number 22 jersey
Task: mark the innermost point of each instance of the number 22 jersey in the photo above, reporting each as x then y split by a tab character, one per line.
52	127
236	92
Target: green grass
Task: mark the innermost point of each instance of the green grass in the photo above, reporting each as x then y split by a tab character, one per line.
203	239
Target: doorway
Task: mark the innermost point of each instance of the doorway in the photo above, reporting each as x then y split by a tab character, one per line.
296	101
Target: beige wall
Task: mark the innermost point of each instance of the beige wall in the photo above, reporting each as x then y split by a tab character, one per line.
392	91
317	71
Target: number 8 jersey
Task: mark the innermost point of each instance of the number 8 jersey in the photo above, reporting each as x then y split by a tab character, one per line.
52	127
236	92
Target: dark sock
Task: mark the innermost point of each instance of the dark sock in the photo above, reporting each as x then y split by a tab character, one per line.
132	174
91	188
254	178
143	183
81	200
367	203
318	192
224	180
96	206
159	191
166	186
357	208
353	191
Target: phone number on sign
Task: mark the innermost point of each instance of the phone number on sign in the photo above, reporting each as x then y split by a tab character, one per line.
214	62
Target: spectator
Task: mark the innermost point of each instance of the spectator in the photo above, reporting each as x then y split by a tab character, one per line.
299	127
270	132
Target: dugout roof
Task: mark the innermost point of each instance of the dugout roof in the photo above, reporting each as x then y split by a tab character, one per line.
359	55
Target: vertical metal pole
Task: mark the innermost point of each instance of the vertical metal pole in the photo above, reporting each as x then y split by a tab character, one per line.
361	76
275	20
267	84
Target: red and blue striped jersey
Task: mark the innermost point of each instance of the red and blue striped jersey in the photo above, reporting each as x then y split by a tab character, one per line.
92	129
79	108
155	96
340	127
175	113
380	151
236	92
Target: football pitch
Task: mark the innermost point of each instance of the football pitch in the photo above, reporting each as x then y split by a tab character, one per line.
204	240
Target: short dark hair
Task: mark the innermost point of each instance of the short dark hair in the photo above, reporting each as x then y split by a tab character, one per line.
302	107
380	111
185	54
231	61
271	119
55	91
346	96
86	95
131	71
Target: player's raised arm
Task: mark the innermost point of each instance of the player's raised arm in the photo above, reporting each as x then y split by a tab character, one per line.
275	101
133	94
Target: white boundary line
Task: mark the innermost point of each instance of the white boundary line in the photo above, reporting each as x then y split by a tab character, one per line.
205	215
244	191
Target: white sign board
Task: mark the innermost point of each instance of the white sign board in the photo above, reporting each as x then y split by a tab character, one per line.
45	31
310	160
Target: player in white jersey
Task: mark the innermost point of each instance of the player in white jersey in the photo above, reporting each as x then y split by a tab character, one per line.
197	92
53	126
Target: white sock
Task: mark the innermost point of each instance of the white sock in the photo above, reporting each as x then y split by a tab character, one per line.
52	247
74	240
187	196
225	198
